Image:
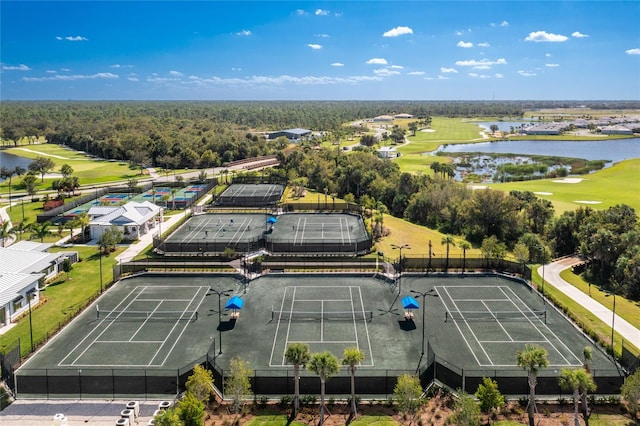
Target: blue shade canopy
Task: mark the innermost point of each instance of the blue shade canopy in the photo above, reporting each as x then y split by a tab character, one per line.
234	303
409	302
272	219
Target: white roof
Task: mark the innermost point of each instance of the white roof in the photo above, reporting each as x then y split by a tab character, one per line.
132	213
12	284
386	149
31	246
18	261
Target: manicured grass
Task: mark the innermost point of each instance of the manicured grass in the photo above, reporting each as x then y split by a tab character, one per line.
272	419
372	420
89	171
610	420
614	185
63	298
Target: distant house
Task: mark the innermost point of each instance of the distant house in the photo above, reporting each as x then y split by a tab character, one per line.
294	135
616	130
404	115
133	219
383	119
388	152
546	129
23	266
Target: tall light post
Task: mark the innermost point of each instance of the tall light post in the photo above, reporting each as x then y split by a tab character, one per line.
403	246
30	322
219	294
100	257
424	295
543	253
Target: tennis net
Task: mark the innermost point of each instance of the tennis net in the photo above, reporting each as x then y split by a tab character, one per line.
324	315
496	316
147	315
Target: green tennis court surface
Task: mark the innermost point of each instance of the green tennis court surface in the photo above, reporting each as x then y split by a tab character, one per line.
152	324
250	195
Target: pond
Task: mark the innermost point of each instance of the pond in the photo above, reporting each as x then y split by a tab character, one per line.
10	161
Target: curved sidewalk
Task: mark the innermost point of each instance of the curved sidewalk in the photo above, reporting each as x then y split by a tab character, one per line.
552	276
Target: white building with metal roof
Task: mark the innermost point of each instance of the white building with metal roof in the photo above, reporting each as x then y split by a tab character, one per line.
133	219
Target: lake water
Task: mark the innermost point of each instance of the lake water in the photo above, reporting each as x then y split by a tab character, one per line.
10	161
614	150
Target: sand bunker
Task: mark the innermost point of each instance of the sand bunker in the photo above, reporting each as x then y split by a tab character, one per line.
587	202
568	180
543	193
478	187
427	130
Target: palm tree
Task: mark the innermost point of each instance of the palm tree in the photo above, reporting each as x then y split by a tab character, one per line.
82	220
579	381
325	365
352	357
6	231
532	359
588	355
464	245
298	355
173	197
448	240
41	230
22	227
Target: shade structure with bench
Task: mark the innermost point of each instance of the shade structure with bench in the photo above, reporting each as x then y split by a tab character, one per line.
409	304
235	304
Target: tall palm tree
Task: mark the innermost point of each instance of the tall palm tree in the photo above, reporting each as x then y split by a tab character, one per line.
82	220
448	240
22	227
298	355
41	230
6	231
352	357
532	359
464	245
578	381
325	365
587	354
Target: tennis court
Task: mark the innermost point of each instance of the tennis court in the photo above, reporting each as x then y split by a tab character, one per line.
250	195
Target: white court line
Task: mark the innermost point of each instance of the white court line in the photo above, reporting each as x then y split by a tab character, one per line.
579	362
470	329
355	328
183	328
275	336
164	300
485	300
145	322
325	300
128	341
342	342
456	322
366	329
519	341
499	323
61	363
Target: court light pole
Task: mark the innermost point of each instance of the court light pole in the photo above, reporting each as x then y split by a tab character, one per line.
613	320
30	322
543	253
403	246
219	294
100	257
424	295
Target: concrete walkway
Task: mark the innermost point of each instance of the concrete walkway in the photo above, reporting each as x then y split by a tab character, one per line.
552	276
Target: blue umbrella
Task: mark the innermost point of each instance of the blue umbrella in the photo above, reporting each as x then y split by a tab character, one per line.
271	220
409	302
234	303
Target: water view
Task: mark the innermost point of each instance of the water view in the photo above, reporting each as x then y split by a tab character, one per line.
11	161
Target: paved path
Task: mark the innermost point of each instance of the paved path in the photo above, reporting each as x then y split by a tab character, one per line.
620	325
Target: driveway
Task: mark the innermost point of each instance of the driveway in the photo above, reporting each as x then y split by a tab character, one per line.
552	276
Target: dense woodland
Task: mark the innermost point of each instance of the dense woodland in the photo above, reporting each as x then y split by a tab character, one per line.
204	134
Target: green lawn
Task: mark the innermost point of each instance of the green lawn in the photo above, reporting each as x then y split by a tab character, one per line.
63	298
89	171
611	186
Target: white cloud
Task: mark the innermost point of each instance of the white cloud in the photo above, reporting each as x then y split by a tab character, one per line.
397	67
70	38
635	51
258	80
578	34
51	71
547	55
482	67
448	70
321	12
133	79
384	72
476	75
543	36
176	73
526	73
161	79
377	61
106	75
466	45
498	75
459	33
21	67
236	69
398	31
120	66
484	44
439	77
504	24
314	46
552	65
482	62
65	69
245	33
337	64
416	73
322	35
301	12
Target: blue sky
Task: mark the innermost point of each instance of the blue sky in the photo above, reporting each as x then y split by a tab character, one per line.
305	50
